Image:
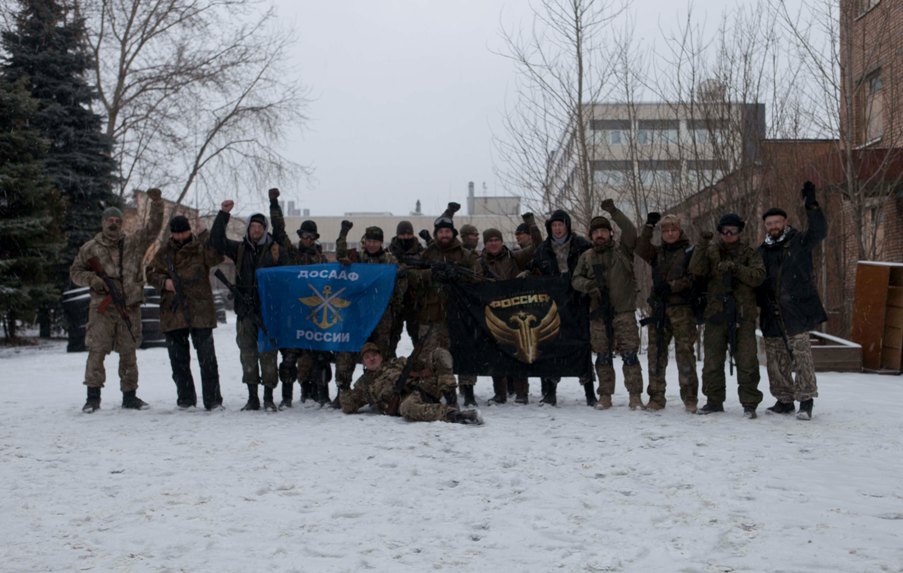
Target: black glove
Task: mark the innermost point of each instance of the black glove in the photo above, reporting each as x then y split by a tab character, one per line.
528	218
453	207
425	235
346	225
609	205
661	289
653	218
706	235
443	273
808	194
274	195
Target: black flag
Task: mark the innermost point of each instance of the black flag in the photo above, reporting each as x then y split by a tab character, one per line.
523	327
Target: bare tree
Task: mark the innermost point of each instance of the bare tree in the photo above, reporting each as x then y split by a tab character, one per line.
194	91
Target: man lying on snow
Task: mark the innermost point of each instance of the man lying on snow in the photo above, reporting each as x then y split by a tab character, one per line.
393	389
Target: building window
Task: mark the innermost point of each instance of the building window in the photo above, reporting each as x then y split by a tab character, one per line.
874	107
865	6
609	178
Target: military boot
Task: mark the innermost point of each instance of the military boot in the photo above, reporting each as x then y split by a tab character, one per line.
749	412
805	412
636	402
500	387
710	408
469	399
521	391
604	402
132	402
322	393
288	391
253	402
656	402
93	402
269	404
590	392
781	408
690	406
464	417
550	396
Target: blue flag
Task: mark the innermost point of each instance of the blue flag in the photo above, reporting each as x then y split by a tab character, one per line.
328	307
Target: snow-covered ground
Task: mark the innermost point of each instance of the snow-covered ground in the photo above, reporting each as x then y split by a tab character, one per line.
534	489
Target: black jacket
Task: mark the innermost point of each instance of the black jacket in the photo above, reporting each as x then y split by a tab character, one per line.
789	290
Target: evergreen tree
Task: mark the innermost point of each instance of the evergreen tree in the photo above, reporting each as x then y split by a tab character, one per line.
46	51
30	209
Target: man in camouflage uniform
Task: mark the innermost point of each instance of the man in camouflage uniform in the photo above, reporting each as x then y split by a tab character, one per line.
417	401
470	237
257	250
297	363
372	253
557	257
731	268
523	238
181	272
110	328
791	306
432	294
405	246
672	289
616	259
498	262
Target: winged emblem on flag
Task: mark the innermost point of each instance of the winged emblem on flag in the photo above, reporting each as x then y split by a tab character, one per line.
325	306
524	331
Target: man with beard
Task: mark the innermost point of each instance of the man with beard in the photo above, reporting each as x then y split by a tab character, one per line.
790	305
615	259
499	263
416	401
181	271
405	246
297	363
432	294
557	257
115	325
257	250
732	270
672	288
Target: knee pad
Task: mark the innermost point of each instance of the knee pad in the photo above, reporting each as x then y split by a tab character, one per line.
603	359
631	358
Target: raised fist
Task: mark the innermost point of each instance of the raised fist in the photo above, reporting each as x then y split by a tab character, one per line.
653	218
528	218
609	206
154	194
808	193
425	235
453	207
227	205
346	225
274	194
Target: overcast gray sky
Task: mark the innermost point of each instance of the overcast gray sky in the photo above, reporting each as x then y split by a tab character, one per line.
406	95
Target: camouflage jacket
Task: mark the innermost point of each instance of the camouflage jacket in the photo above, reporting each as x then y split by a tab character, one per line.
122	260
432	295
669	264
616	257
749	274
297	255
376	389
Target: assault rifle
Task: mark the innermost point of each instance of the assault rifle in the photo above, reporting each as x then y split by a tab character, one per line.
605	310
658	319
729	313
248	302
114	296
779	319
179	291
444	271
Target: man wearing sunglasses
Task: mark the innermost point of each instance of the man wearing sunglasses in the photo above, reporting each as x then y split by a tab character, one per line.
732	270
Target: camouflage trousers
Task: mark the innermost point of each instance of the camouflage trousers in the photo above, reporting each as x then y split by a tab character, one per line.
681	327
784	386
246	338
415	408
434	338
107	333
626	343
715	346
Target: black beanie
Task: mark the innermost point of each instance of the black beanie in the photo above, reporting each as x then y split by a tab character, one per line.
404	227
731	220
258	218
179	224
374	234
774	211
522	228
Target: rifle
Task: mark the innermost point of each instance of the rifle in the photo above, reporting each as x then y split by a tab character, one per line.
605	309
248	302
658	319
449	271
179	291
730	317
779	318
114	296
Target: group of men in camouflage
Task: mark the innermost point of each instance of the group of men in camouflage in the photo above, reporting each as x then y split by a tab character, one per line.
725	284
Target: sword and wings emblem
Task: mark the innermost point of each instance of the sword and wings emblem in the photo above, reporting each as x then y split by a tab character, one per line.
524	331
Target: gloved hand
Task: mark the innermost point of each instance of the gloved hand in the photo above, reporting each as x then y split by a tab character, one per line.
653	218
523	274
443	273
98	285
808	194
425	235
274	195
727	266
154	194
706	236
346	225
528	218
453	207
609	206
227	205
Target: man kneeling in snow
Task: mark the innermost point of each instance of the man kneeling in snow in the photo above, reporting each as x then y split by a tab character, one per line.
389	390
